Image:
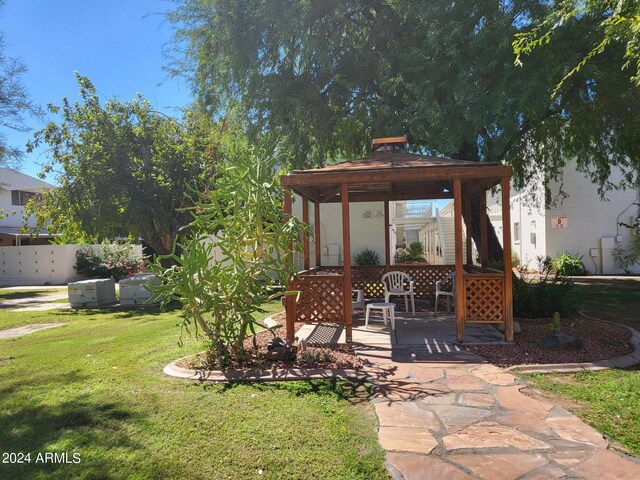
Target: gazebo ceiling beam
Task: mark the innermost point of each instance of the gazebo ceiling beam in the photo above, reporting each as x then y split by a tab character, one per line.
308	192
326	194
394	195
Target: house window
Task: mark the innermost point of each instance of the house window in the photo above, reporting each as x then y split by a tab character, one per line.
516	232
20	197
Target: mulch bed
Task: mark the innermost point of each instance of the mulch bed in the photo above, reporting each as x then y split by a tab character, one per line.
600	341
313	357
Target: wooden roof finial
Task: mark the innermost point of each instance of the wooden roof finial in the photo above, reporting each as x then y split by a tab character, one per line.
389	143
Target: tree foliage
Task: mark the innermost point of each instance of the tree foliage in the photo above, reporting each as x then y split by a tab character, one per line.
14	102
617	21
123	169
237	250
328	76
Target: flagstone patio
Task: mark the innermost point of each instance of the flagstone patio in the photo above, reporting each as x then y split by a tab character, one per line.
447	413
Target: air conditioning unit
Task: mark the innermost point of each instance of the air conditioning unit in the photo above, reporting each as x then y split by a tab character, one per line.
134	292
92	293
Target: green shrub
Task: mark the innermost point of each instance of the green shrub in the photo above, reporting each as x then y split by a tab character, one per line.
416	252
566	264
541	297
625	258
499	264
367	257
220	296
496	264
109	260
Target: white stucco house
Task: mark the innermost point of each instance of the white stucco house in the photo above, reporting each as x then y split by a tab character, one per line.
581	224
16	188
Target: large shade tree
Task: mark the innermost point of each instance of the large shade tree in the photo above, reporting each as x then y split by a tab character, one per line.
327	76
123	169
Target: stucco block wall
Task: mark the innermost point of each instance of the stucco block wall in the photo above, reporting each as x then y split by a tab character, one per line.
367	229
41	264
38	265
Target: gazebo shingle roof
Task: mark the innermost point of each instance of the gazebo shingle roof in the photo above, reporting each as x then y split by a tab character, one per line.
394	176
387	161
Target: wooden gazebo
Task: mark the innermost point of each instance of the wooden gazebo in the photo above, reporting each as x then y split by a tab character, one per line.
483	295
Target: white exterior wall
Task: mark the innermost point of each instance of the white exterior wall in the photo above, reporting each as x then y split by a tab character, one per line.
11	179
533	226
592	223
589	221
367	230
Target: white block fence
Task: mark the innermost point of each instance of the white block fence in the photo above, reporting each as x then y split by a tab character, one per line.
39	265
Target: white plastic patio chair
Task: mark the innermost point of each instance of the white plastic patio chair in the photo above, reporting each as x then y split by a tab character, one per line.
395	284
443	290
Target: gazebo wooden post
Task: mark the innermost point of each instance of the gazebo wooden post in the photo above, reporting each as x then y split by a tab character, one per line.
484	246
469	227
289	300
387	240
506	259
459	271
346	246
316	213
305	239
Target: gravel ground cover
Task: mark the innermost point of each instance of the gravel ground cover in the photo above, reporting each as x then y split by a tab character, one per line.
600	341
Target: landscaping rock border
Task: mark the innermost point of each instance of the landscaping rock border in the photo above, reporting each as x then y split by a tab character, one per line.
624	361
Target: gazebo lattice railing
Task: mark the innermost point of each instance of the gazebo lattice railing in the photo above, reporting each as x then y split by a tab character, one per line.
321	290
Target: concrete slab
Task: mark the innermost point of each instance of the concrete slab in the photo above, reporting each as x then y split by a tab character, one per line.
27	329
437	334
322	333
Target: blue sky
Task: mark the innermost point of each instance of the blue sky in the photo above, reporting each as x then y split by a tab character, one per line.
117	44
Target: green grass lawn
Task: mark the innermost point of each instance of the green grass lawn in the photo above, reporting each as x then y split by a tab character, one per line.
608	400
611	299
95	387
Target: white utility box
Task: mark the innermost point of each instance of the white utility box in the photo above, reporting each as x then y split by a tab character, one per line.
133	291
92	293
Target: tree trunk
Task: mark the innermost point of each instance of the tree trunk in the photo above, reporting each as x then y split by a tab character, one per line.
469	151
160	248
494	246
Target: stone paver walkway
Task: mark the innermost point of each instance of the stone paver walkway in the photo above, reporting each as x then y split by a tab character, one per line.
455	416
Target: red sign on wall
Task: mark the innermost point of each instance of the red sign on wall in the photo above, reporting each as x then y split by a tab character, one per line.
559	221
